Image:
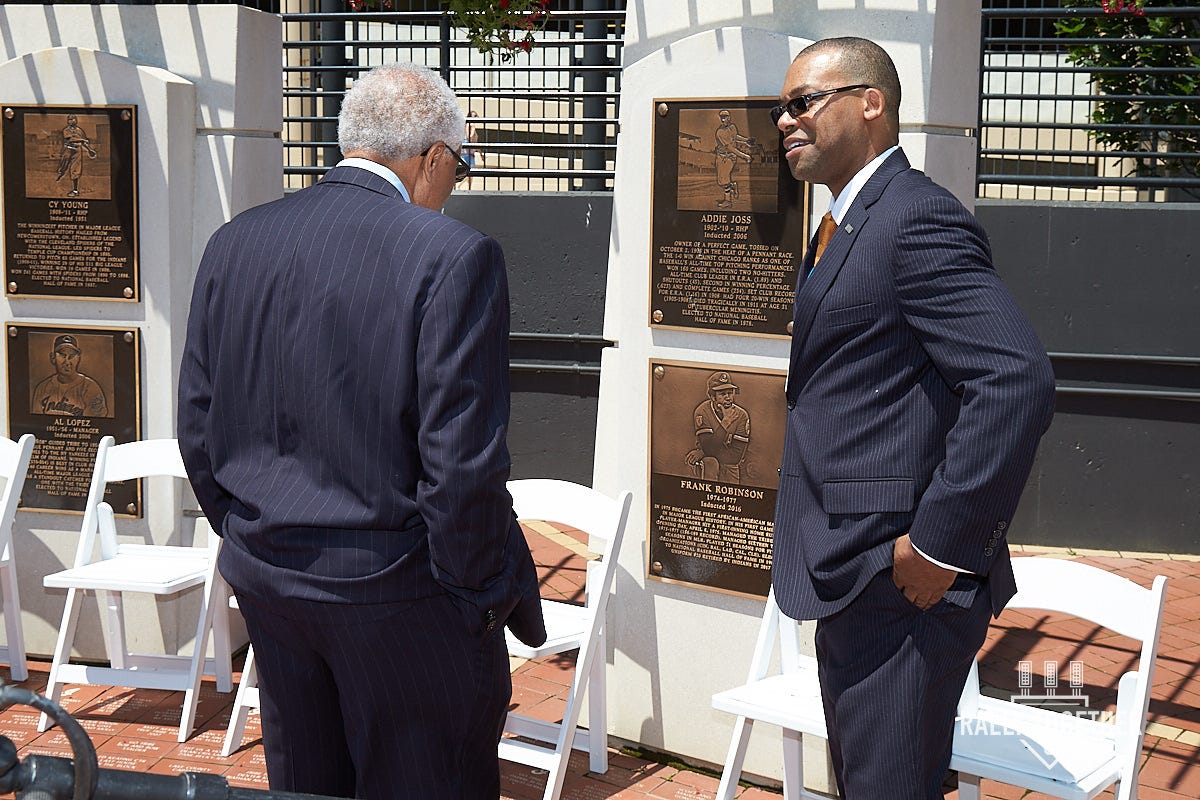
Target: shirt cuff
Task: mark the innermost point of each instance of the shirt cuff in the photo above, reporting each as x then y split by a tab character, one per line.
939	563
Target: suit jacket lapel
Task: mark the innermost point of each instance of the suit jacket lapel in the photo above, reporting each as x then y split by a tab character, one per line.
812	290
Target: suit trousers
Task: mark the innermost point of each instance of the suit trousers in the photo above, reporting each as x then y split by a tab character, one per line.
891	675
386	702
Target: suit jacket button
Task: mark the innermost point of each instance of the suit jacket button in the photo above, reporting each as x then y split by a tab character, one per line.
987	551
491	619
791	404
1001	525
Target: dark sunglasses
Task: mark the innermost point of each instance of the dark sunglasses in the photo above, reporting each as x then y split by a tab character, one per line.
802	103
461	170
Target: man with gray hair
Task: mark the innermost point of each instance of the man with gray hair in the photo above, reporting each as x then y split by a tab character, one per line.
343	405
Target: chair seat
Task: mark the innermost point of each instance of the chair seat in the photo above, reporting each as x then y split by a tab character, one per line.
791	701
566	625
1035	748
152	569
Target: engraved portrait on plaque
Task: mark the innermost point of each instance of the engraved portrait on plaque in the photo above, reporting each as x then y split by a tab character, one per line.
729	224
716	443
70	386
70	201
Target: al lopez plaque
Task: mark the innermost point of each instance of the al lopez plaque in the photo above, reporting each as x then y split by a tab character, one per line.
70	201
730	223
70	386
716	443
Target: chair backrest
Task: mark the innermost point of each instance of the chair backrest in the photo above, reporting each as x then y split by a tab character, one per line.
602	517
1069	587
122	462
14	462
144	459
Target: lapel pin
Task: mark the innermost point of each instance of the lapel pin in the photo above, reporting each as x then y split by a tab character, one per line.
849	228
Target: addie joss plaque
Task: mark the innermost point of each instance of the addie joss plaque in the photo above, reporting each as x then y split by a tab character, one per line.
730	223
70	201
716	443
69	386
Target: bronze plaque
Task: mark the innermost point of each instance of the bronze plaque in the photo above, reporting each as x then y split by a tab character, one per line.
730	223
716	444
70	386
70	202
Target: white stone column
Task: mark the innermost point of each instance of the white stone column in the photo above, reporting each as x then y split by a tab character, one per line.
674	645
207	85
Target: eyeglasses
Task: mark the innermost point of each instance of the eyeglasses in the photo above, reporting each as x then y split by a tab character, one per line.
800	104
461	170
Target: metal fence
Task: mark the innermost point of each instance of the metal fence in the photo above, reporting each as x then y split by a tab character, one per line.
544	121
271	6
1090	101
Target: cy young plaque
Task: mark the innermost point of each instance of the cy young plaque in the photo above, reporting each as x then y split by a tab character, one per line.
69	387
730	223
716	443
70	202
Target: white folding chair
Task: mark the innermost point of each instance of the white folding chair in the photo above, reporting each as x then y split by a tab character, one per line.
247	698
14	460
790	699
570	627
154	569
1063	754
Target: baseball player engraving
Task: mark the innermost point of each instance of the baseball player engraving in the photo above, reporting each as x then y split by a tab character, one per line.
722	433
68	392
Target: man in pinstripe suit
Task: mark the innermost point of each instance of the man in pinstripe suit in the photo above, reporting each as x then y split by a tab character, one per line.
917	393
343	404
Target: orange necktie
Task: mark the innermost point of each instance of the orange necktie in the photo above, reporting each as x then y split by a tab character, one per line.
824	234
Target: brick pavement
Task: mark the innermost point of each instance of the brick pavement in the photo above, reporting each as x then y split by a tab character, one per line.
135	729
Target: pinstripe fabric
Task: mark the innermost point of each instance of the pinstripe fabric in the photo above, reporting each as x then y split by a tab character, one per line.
399	724
343	405
917	393
891	705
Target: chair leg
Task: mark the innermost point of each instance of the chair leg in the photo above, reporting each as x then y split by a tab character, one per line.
17	668
204	627
598	708
118	647
968	786
241	709
793	765
62	650
222	651
734	759
585	669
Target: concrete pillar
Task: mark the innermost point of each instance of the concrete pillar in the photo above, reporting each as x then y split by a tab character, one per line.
207	86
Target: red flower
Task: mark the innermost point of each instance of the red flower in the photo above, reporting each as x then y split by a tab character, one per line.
503	3
527	45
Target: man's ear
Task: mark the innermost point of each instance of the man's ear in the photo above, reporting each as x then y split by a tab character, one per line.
429	162
874	103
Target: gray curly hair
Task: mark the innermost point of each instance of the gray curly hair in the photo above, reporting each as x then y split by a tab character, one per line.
395	111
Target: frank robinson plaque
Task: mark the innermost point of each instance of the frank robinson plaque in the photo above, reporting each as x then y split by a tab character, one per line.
70	201
716	443
70	386
730	223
